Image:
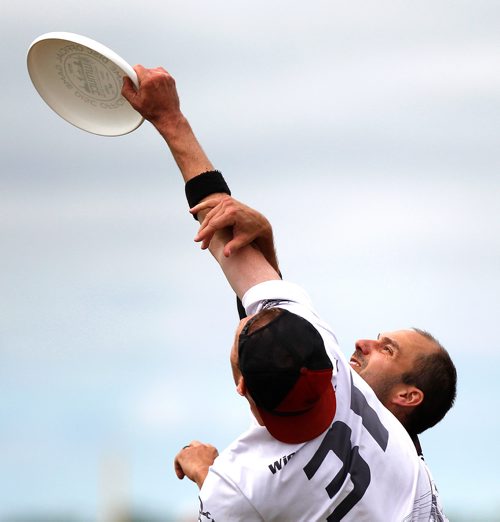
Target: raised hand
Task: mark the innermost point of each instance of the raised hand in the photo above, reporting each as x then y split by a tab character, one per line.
156	99
248	226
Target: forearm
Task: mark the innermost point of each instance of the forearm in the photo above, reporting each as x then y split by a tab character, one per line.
185	148
245	268
265	243
157	101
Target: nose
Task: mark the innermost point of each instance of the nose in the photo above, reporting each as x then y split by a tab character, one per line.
366	345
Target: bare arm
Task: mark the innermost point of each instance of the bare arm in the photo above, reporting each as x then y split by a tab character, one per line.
243	269
158	102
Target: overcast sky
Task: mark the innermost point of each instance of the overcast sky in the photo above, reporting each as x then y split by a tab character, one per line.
368	133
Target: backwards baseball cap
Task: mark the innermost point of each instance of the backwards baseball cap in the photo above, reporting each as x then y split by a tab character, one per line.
289	376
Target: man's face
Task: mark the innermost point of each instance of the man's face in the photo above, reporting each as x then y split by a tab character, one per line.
383	361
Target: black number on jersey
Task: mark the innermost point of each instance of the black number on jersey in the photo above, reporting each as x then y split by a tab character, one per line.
205	514
338	440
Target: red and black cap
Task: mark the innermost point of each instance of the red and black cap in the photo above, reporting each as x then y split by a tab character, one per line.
289	376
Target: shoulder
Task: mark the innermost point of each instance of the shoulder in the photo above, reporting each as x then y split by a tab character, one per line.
235	485
272	293
290	296
222	499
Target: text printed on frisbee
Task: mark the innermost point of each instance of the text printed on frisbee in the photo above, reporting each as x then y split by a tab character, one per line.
93	77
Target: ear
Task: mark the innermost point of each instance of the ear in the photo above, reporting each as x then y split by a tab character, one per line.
241	387
408	397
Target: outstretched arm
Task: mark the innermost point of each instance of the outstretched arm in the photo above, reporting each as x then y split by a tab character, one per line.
157	100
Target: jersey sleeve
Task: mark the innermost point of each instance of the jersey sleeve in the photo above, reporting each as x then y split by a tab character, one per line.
275	293
292	297
221	500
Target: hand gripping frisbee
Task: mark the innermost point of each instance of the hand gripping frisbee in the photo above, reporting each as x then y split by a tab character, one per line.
81	80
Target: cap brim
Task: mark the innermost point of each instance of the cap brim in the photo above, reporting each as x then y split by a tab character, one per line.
306	426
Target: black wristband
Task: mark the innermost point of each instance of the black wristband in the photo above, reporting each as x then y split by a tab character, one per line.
203	185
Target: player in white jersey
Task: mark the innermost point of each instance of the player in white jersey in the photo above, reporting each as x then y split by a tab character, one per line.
363	467
329	442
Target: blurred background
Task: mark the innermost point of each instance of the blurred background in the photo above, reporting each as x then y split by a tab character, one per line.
366	132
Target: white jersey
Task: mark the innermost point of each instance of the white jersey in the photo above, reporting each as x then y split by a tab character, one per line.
364	468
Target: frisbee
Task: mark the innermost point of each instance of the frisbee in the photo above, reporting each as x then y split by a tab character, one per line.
81	80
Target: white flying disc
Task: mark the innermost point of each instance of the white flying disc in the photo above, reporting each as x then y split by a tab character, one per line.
81	80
